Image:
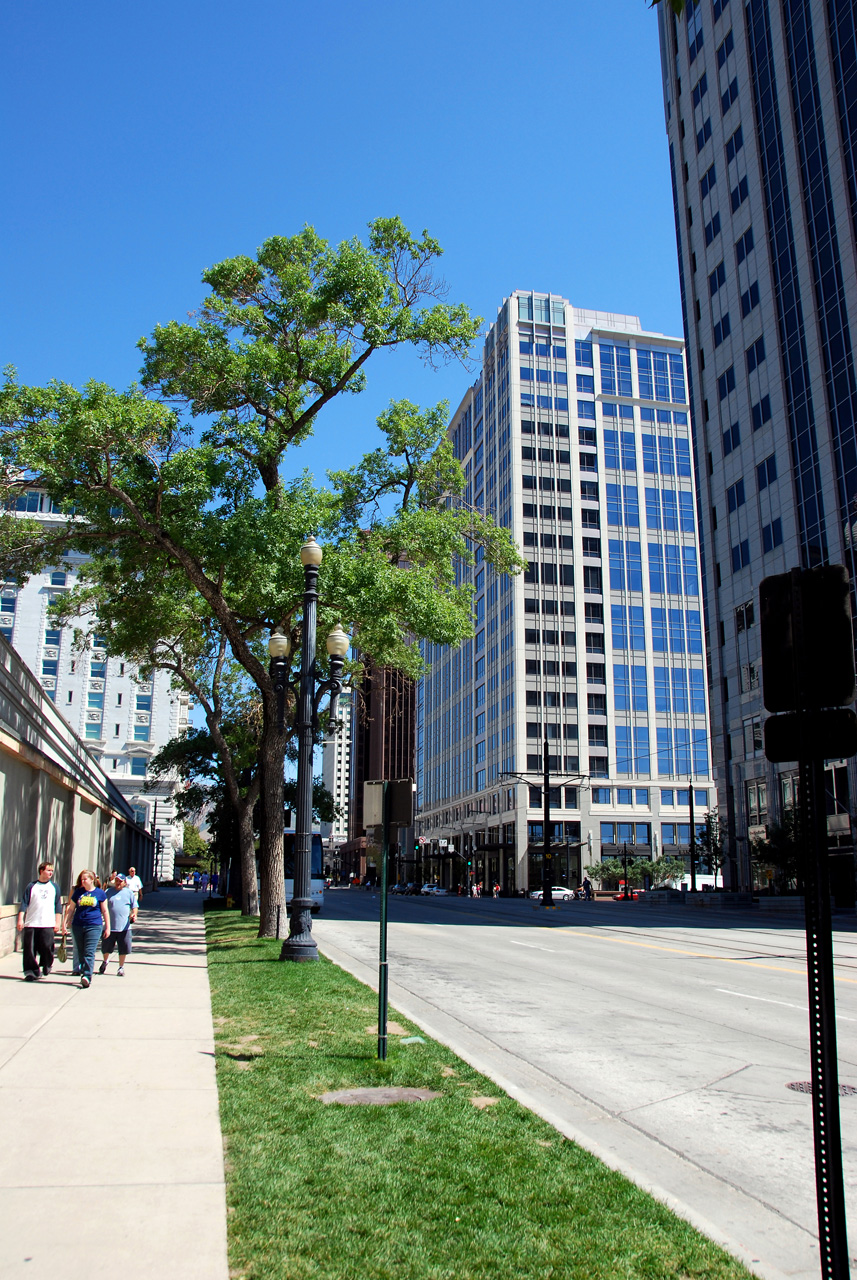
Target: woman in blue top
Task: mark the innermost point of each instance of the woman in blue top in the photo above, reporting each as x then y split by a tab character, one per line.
88	906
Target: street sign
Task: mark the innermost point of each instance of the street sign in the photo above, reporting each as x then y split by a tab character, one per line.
820	735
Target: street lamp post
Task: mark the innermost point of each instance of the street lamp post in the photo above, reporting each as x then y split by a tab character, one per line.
625	894
692	841
300	945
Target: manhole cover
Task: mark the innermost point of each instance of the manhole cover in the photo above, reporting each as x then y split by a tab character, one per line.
805	1086
378	1097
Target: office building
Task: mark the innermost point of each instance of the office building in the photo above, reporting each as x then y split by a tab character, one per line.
761	112
575	436
122	719
336	776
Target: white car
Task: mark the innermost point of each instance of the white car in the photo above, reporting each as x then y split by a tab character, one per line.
434	891
559	893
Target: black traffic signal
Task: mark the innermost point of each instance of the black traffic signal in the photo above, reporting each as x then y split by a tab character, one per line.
807	640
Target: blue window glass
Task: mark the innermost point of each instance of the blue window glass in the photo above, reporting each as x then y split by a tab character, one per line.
583	353
53	636
662	690
660	363
632	506
49	666
669	508
617	565
624	762
682	457
95	701
621	687
679	689
682	750
586	384
647	415
636	628
641	754
611	448
526	373
98	670
686	517
665	453
697	692
138	766
650	455
665	752
586	409
672	562
141	733
609	410
620	626
634	559
691	571
700	751
653	509
561	379
543	402
623	370
676	625
639	689
659	630
644	374
694	631
144	700
608	368
525	348
614	504
92	729
629	451
543	375
657	581
528	399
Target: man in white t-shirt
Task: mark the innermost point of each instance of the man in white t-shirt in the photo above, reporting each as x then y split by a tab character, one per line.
135	884
38	921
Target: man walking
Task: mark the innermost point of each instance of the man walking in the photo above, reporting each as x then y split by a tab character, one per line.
38	920
135	884
122	909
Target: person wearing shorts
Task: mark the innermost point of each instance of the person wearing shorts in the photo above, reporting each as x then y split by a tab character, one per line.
122	909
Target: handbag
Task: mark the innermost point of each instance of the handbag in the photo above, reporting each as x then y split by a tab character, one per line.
61	951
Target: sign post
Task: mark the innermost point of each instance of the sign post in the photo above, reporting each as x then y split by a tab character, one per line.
808	673
386	804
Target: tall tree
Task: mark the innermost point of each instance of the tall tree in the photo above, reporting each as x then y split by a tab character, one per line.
185	475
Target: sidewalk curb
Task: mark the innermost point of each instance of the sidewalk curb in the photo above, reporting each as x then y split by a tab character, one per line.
684	1187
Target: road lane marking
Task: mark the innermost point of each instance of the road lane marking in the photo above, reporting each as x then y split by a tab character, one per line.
697	955
745	995
532	947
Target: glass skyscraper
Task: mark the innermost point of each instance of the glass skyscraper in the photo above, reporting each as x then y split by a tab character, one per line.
761	109
576	437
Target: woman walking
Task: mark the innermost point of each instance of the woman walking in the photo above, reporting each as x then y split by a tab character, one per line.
87	910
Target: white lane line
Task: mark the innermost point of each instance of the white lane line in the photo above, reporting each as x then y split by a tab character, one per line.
532	947
743	995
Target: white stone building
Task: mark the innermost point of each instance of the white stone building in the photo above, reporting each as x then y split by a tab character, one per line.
336	776
122	720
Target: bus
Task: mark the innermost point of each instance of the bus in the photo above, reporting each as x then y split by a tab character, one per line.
316	869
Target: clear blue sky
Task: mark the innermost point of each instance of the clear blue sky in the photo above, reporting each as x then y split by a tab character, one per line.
142	145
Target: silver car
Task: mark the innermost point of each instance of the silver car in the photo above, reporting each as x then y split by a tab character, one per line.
559	893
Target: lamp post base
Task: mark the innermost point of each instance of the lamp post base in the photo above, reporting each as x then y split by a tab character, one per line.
300	946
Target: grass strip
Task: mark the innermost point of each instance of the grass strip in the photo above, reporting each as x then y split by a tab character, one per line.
438	1190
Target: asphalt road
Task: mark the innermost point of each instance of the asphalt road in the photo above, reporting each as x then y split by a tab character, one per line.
662	1039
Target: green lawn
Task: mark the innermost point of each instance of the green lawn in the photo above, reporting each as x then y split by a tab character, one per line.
439	1190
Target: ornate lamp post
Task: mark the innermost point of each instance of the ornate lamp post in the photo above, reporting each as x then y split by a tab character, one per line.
300	945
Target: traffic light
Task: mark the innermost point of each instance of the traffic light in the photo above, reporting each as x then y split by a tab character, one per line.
417	848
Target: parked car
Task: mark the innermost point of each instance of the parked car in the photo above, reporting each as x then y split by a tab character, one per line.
399	888
434	891
559	893
632	894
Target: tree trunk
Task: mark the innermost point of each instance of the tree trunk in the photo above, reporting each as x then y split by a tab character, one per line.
273	918
247	852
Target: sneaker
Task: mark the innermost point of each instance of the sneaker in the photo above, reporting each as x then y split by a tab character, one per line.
102	968
47	972
84	982
120	973
31	977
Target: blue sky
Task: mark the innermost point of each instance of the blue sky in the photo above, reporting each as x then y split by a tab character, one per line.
140	145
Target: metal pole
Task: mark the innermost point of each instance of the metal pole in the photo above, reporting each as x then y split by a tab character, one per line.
382	957
625	856
692	841
829	1184
300	944
547	862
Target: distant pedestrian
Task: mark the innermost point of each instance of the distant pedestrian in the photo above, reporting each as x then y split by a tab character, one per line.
38	920
496	891
587	888
214	881
196	881
122	909
204	881
135	884
87	910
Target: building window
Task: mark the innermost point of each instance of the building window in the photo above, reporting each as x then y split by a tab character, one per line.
772	535
766	472
138	766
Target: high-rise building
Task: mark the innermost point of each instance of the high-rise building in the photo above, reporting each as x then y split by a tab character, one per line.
761	111
336	776
123	720
575	437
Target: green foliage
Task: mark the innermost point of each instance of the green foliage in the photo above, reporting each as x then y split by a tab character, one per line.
781	851
193	845
677	6
660	871
423	1191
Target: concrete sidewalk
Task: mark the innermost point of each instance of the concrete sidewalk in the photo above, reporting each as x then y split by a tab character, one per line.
111	1159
